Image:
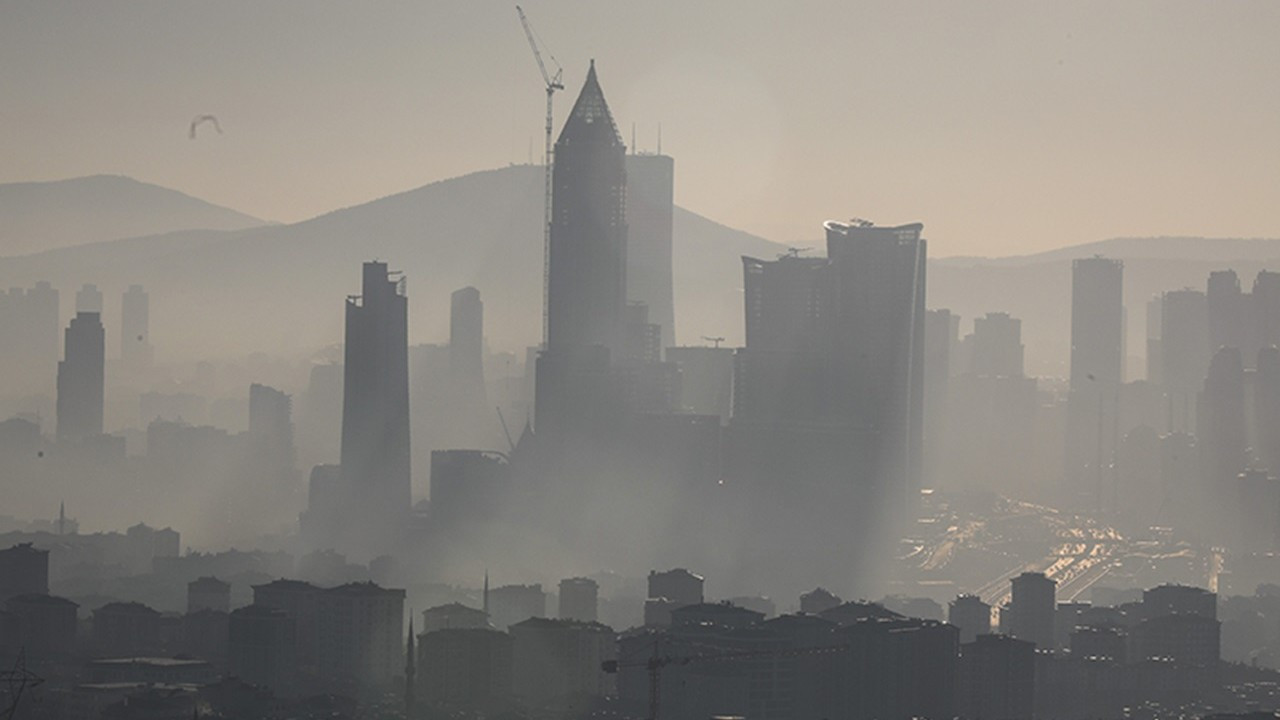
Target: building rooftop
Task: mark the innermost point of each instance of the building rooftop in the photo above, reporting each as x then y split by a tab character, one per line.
40	599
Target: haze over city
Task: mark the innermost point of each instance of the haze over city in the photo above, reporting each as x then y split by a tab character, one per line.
599	361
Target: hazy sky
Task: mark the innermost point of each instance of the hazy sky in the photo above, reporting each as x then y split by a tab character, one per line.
1006	127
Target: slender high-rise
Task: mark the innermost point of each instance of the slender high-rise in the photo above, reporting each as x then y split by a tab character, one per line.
135	321
650	213
466	343
81	379
1097	353
375	406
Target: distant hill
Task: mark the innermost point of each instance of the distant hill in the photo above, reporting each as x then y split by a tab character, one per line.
1193	249
280	288
40	216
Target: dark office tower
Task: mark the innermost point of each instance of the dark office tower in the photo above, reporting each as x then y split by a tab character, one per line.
1266	313
587	291
1097	352
1226	309
375	408
971	615
1031	609
80	379
89	299
1266	409
997	346
1223	436
579	599
650	206
135	320
466	342
1184	341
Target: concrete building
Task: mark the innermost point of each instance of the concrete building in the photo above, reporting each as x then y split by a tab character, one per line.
1188	639
126	629
1185	352
997	678
819	600
81	378
262	645
360	634
997	349
465	669
579	599
971	616
1031	611
1179	600
466	343
89	299
706	380
29	320
24	570
300	601
678	585
46	625
453	616
510	604
208	593
559	661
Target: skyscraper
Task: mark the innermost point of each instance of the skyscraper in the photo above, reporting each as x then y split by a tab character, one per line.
997	346
80	379
588	272
650	208
135	319
466	342
29	327
1097	352
828	392
1184	344
577	394
375	407
1031	609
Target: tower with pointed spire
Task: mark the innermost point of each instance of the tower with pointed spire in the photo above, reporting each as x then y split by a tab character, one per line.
587	272
410	671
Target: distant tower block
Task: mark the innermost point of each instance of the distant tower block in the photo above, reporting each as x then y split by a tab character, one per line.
466	342
135	335
81	378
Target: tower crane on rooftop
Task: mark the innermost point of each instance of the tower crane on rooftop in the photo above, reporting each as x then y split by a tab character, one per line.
553	83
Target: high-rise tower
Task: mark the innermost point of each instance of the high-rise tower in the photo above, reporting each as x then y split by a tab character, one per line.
1097	351
81	379
587	290
576	392
375	405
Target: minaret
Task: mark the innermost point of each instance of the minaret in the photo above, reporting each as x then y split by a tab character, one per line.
62	517
486	595
410	672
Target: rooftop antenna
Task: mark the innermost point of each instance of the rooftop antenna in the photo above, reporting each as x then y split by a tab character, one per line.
716	340
659	138
633	138
553	83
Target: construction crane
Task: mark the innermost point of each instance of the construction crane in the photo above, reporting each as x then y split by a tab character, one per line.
553	84
656	662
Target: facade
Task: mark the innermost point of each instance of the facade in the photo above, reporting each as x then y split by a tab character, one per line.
126	629
510	604
46	625
706	380
650	208
679	586
466	342
453	616
300	601
1179	600
81	378
1184	354
375	412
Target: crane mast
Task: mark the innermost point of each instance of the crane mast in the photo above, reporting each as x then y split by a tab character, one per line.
553	83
